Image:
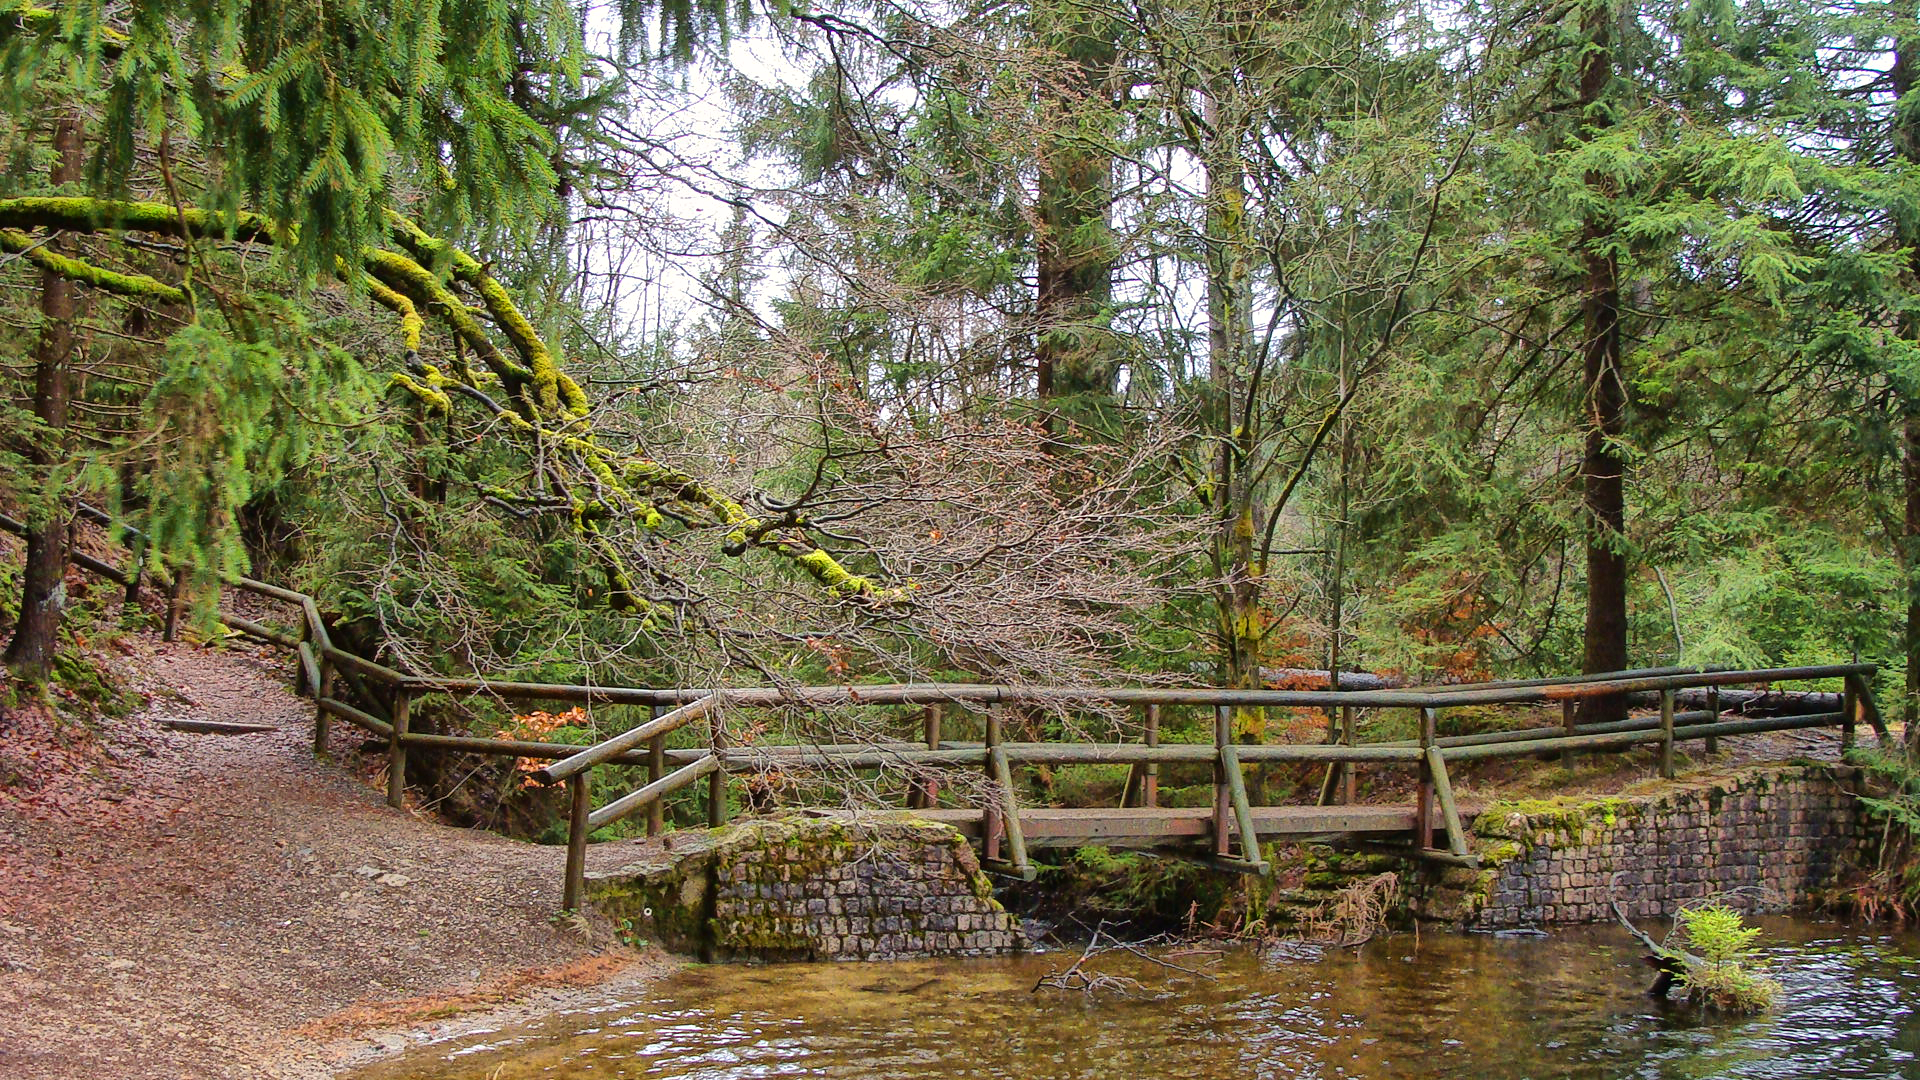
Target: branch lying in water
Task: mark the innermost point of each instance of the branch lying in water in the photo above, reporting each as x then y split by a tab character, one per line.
1079	977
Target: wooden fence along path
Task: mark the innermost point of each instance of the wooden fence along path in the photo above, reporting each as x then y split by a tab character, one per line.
1228	834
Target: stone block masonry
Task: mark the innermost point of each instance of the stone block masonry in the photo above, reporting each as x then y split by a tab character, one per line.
1776	834
812	888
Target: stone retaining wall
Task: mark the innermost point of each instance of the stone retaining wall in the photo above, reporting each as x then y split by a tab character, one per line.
1776	834
812	888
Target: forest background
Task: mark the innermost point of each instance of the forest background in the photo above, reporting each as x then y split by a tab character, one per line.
1046	342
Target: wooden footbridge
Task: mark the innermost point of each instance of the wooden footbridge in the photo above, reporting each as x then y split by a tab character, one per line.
1228	834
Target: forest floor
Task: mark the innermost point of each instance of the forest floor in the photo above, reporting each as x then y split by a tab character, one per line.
209	906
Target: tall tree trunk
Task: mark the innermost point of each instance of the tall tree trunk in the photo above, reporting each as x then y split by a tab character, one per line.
1906	138
1242	630
1910	563
1240	594
43	582
1602	471
1074	255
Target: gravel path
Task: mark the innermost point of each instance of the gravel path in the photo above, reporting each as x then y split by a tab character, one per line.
209	906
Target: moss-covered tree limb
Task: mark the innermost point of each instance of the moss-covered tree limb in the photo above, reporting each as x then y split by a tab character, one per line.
554	391
411	324
547	405
78	213
136	286
407	277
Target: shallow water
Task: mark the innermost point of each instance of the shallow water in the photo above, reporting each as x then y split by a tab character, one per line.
1478	1006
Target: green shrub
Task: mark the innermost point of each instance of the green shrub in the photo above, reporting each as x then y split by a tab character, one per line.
1727	978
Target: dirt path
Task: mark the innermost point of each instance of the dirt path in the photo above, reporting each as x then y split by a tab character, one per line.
176	905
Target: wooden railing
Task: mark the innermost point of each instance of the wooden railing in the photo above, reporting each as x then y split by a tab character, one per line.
1233	835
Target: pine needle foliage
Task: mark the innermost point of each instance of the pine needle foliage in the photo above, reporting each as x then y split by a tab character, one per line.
230	416
321	116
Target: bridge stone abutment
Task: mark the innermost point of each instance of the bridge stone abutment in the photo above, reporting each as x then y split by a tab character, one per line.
1776	835
809	887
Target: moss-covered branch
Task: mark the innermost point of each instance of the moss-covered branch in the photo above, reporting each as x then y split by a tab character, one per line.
554	391
137	286
405	276
547	405
411	324
77	213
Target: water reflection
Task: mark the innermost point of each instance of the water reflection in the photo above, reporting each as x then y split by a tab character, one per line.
1444	1006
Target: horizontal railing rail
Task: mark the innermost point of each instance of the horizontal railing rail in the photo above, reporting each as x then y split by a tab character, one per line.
1235	844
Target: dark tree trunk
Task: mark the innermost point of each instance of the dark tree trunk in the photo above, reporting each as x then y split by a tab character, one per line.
1910	562
1906	138
1602	471
43	581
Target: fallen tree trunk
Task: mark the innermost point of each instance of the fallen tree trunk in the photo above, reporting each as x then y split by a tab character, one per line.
1671	964
1751	702
1287	678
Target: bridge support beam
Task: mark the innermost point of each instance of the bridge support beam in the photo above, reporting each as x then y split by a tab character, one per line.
1222	738
1449	810
1010	819
1242	810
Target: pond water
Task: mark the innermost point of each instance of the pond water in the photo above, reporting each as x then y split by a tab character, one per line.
1480	1006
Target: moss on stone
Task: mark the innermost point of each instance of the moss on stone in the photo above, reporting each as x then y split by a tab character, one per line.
1562	817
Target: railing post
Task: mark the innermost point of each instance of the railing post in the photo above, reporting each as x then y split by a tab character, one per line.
990	826
1330	783
1849	712
1713	710
397	749
1222	798
174	587
1349	771
573	891
1568	721
1138	774
925	792
1666	734
1423	795
717	779
656	768
322	719
1150	778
